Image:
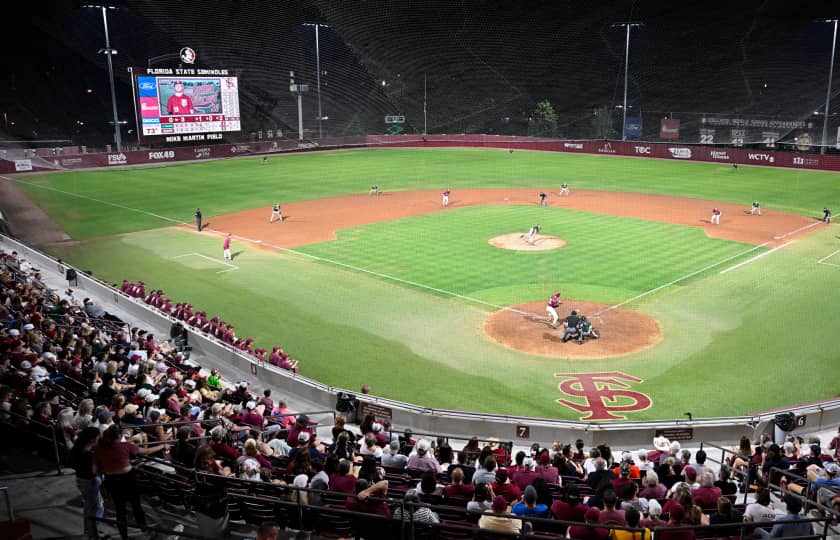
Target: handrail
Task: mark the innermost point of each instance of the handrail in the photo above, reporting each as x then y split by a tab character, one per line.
52	428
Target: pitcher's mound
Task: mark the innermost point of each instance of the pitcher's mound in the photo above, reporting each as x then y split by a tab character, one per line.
620	331
518	242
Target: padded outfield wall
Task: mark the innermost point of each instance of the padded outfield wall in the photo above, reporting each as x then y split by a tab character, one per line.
20	161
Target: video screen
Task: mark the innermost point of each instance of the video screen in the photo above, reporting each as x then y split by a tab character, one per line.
178	103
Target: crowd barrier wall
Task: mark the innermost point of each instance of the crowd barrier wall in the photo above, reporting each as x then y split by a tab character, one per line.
13	163
812	417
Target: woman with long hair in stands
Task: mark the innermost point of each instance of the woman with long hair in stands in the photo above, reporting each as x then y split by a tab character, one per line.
209	497
81	459
112	458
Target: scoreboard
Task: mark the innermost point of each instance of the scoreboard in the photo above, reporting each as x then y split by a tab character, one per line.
185	104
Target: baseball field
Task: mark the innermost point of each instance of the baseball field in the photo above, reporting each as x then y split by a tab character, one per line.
422	304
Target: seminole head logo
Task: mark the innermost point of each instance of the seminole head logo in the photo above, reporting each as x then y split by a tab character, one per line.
187	55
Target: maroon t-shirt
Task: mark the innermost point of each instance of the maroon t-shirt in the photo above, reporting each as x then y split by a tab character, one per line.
566	512
343	483
459	490
367	506
116	458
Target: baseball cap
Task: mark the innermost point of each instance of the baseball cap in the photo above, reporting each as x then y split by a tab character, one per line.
29	326
250	405
499	504
131	408
303	437
14	332
501	476
103	416
831	468
189	383
26	364
677	512
528	462
195	411
143	392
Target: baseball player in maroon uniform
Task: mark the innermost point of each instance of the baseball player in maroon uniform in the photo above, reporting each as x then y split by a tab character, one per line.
553	303
179	102
446	198
715	216
226	247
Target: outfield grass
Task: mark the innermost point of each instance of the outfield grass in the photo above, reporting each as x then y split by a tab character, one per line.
757	337
225	186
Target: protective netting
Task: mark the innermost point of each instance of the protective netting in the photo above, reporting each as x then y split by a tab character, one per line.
737	73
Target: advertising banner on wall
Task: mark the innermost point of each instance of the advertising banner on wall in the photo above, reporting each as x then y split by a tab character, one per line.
633	126
669	128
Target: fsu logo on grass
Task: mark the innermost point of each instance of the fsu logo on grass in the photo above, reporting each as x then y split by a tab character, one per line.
601	395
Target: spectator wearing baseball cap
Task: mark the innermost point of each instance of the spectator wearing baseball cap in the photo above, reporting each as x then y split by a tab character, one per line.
588	531
503	487
526	475
423	458
499	520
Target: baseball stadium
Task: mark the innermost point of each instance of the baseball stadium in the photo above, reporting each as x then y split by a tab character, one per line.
510	223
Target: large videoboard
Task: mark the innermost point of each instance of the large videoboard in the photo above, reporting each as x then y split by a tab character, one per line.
186	104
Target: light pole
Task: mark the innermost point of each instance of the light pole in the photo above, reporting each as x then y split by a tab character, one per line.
627	26
298	90
318	69
109	52
828	90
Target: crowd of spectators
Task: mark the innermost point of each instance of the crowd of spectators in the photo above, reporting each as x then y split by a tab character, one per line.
111	394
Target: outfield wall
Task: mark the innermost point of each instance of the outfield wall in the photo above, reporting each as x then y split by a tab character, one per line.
459	424
20	161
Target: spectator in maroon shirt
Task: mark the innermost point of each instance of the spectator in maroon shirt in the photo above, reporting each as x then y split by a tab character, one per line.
546	471
525	477
221	448
343	481
588	531
504	488
370	500
707	495
301	424
653	489
570	507
609	514
623	479
677	519
253	416
458	489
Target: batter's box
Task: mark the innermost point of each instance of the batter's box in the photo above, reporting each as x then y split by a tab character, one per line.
203	262
834	262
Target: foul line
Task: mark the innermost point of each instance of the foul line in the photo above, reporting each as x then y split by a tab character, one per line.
683	278
760	255
830	255
797	230
231	269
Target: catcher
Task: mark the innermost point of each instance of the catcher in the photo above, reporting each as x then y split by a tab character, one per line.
586	329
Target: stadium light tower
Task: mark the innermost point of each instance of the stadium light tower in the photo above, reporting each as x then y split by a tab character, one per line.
627	25
318	68
828	90
109	52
